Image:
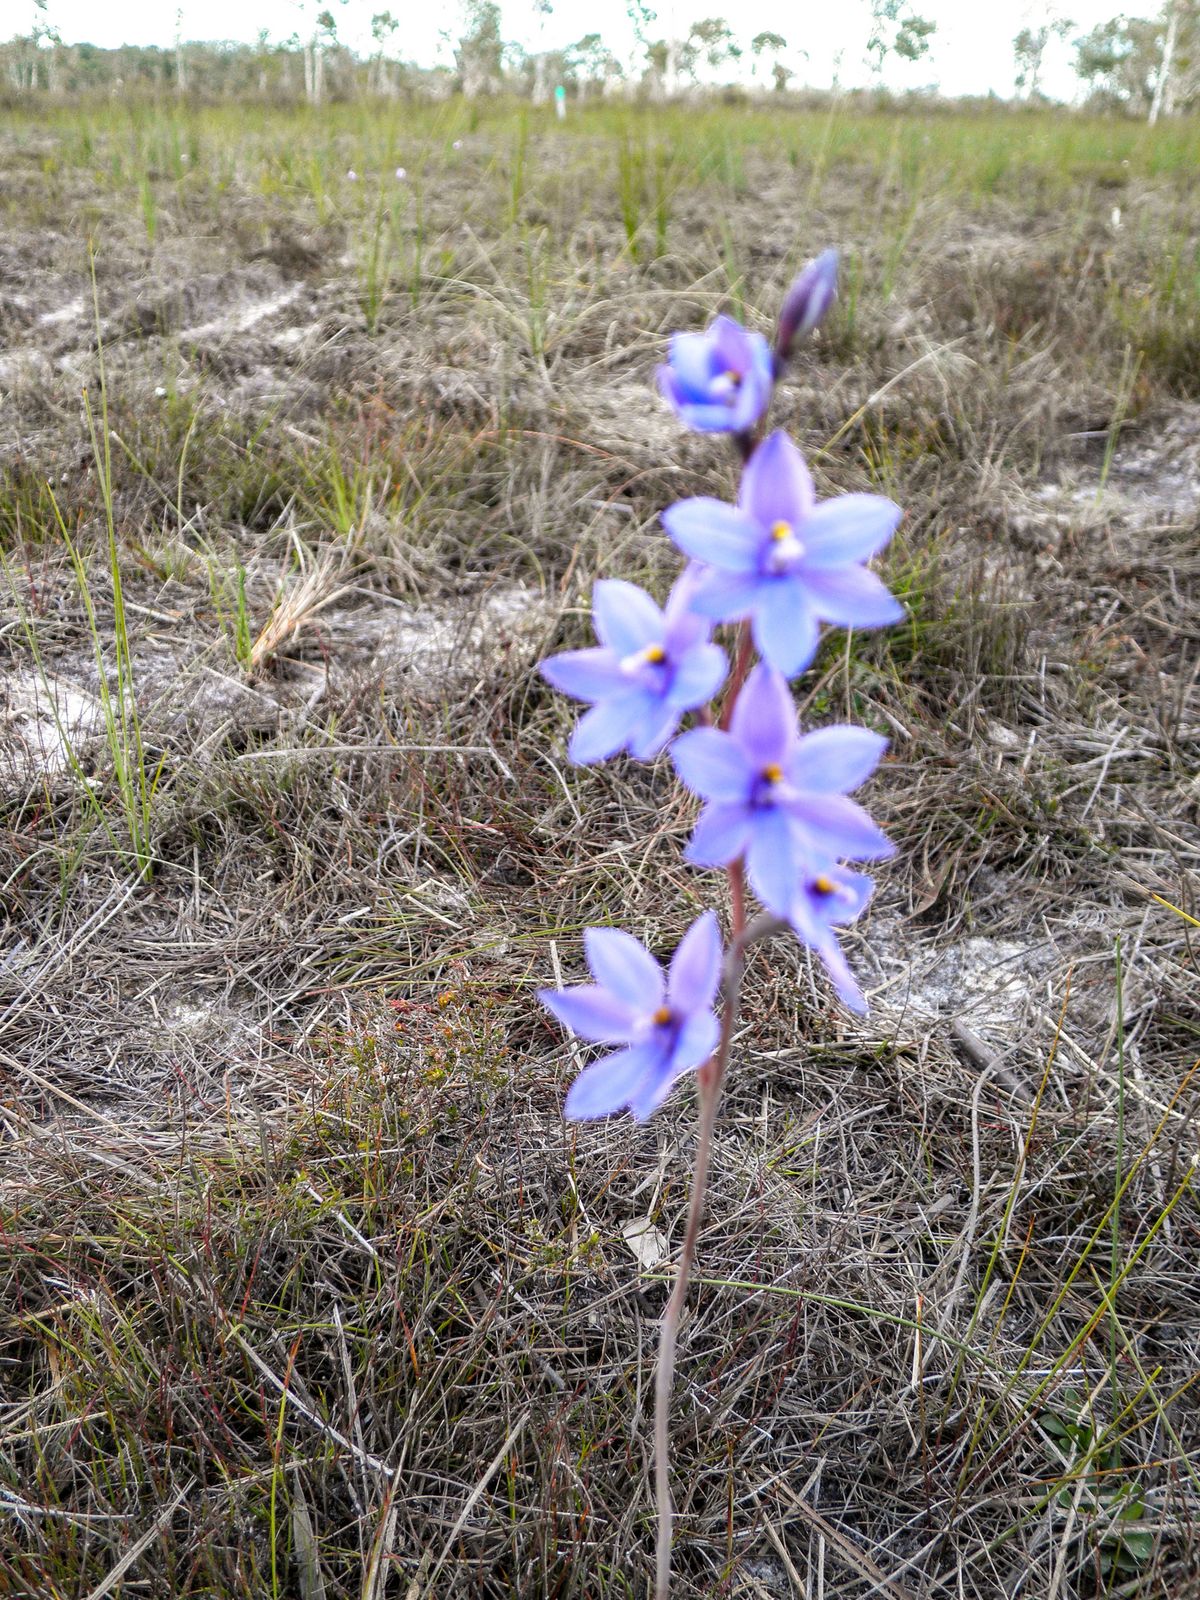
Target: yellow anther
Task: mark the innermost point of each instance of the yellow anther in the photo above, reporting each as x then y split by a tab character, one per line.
663	1014
780	531
654	653
773	773
732	377
822	885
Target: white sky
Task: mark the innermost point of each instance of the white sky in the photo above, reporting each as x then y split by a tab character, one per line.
971	52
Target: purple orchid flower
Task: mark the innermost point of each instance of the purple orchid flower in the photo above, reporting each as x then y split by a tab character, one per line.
807	302
776	797
718	381
784	561
666	1025
825	901
649	668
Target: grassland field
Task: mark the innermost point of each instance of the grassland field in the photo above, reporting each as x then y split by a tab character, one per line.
315	429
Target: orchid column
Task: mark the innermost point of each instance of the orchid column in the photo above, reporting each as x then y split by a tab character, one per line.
777	814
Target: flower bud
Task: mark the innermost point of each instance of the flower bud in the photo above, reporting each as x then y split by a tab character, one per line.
806	302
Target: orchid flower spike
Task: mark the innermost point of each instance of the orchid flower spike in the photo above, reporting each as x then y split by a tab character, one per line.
776	797
785	561
718	381
650	667
666	1024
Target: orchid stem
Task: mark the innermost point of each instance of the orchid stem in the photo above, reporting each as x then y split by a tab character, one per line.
711	1077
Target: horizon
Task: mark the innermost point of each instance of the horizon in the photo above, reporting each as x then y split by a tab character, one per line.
970	55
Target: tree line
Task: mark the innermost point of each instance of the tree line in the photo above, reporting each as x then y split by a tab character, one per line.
1148	66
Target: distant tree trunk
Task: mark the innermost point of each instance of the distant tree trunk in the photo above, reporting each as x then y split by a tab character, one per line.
1163	98
540	90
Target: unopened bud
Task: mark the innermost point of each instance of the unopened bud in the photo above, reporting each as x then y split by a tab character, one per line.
806	302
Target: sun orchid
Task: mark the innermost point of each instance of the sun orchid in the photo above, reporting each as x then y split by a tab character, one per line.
777	797
784	560
650	667
718	381
665	1022
776	811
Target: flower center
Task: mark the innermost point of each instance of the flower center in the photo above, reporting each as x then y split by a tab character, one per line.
822	885
732	378
773	773
652	656
662	1016
785	549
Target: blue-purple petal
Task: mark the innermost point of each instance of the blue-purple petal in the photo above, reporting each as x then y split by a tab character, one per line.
627	619
622	965
610	1085
835	760
776	862
710	530
712	764
654	729
592	1012
727	596
698	676
694	1043
721	836
839	829
695	967
844	981
852	597
606	728
764	720
584	674
776	484
848	528
786	630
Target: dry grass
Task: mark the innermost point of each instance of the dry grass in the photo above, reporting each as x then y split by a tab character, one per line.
305	1287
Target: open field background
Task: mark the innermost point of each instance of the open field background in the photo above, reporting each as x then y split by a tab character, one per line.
305	1287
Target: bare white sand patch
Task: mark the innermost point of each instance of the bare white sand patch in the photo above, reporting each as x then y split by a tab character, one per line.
44	723
441	642
21	366
68	313
244	316
989	983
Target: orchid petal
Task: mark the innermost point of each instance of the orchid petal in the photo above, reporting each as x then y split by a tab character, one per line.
709	530
844	981
592	1012
848	528
622	965
699	675
835	760
609	1085
606	728
852	597
653	733
712	764
777	485
785	628
727	596
776	863
840	829
584	674
763	721
721	836
696	966
627	619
